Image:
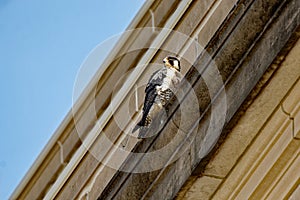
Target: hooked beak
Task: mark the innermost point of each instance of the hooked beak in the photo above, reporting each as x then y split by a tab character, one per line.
165	60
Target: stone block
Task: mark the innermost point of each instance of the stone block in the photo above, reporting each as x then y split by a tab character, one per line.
79	178
38	190
202	189
291	105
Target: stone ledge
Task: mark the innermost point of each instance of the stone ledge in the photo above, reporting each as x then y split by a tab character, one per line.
236	146
248	28
247	70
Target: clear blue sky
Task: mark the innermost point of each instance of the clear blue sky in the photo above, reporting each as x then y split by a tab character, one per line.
42	45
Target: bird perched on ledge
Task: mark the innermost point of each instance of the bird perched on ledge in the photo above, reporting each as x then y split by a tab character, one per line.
159	90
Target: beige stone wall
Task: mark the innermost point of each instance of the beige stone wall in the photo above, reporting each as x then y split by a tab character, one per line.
236	34
260	157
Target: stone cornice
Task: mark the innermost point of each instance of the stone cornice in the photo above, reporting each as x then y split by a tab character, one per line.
234	33
250	30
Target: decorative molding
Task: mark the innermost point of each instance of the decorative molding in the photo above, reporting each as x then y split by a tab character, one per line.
259	158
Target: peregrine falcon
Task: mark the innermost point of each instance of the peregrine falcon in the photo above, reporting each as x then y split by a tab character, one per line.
159	90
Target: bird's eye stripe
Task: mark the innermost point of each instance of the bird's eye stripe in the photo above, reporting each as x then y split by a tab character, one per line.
172	58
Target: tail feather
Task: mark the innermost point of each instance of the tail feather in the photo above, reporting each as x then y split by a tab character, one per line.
143	123
137	126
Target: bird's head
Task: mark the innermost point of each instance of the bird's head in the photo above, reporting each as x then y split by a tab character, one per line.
172	62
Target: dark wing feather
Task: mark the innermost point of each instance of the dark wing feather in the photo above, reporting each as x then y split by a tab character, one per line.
149	100
155	80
